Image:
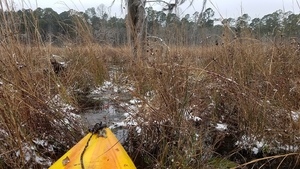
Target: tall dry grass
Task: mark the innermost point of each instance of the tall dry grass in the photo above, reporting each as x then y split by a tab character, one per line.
249	85
37	120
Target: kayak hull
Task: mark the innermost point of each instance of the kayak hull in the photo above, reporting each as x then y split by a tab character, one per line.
96	151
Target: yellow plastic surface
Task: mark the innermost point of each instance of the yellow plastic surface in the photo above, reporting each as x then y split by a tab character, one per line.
103	152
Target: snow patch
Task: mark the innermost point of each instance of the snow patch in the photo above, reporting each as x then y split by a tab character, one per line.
295	116
30	154
134	101
221	126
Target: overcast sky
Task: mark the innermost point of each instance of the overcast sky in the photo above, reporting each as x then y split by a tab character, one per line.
225	8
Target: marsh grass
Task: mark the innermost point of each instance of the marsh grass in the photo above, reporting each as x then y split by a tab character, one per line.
249	85
37	105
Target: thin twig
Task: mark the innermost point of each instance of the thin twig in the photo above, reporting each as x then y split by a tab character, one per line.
265	158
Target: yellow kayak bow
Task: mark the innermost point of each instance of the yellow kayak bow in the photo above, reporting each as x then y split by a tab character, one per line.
97	150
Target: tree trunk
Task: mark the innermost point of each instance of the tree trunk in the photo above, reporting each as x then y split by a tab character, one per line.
136	27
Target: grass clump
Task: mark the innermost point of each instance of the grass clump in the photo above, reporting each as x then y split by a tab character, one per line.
37	106
247	87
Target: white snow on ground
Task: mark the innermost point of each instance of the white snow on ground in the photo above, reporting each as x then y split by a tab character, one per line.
57	101
57	104
111	91
189	116
30	154
40	142
257	145
134	101
221	126
251	142
289	147
295	116
127	121
126	114
108	85
43	143
132	105
255	150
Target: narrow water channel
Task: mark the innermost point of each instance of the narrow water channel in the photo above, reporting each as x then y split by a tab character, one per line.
109	110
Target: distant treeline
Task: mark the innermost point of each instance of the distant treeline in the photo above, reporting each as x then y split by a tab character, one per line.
94	24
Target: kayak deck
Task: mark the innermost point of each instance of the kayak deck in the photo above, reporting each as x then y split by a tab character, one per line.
101	150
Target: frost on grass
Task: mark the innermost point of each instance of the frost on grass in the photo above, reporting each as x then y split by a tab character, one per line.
131	110
58	105
190	116
37	147
30	154
110	86
260	145
252	143
65	123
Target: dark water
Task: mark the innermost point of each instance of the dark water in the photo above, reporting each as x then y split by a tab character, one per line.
109	111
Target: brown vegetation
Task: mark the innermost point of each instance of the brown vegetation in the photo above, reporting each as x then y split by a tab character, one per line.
188	95
248	85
